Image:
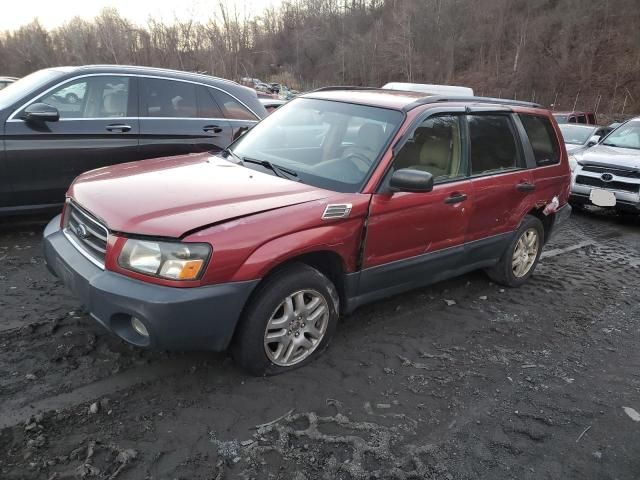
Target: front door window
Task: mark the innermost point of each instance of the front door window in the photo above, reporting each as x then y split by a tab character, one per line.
435	147
101	96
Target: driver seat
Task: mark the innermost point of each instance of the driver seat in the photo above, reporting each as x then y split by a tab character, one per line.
369	140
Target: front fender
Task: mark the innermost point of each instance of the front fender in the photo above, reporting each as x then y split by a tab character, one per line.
342	238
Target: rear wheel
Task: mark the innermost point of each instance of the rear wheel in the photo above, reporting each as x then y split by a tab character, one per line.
289	321
521	256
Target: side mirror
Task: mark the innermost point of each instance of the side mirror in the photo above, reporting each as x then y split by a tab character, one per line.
593	140
409	180
41	112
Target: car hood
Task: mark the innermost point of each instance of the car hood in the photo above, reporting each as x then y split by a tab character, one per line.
610	156
170	197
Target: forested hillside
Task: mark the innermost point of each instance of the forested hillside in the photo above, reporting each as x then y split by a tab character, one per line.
580	52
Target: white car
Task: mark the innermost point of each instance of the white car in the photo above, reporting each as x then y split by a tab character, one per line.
430	89
608	174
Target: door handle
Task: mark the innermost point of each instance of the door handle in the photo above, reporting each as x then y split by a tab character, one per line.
118	127
525	187
455	198
212	129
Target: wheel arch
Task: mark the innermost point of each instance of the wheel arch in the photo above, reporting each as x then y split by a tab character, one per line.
546	220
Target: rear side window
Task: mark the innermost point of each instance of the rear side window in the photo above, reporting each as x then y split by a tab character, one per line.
582	119
166	98
493	144
542	137
232	107
207	106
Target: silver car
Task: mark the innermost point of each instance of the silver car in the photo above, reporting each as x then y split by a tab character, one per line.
608	174
579	137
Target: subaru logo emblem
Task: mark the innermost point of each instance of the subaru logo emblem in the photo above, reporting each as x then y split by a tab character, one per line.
81	231
606	177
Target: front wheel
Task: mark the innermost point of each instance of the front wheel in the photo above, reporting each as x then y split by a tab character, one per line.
521	256
288	322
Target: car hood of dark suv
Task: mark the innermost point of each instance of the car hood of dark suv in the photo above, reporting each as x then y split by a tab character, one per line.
169	197
610	156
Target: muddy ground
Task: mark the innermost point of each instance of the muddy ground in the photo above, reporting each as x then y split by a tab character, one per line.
541	382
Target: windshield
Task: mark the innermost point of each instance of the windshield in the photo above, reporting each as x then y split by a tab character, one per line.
625	136
576	135
331	145
21	88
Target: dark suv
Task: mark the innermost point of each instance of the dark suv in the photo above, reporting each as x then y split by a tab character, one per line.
338	198
60	122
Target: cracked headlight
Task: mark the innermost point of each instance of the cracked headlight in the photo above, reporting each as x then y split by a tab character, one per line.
173	261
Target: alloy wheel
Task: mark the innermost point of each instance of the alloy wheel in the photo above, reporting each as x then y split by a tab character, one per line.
525	253
296	327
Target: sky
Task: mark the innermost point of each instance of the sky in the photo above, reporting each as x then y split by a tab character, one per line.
52	13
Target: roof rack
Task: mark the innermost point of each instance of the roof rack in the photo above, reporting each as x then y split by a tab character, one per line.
446	98
437	98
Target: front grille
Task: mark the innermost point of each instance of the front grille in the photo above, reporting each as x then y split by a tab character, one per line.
597	182
617	171
87	233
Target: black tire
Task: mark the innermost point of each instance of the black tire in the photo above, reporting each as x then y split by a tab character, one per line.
503	273
248	348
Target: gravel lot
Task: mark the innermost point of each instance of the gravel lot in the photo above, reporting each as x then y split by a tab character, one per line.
541	382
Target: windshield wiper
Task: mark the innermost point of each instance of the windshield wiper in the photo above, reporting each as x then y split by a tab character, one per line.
277	169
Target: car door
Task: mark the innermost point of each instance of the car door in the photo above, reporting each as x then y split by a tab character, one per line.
418	238
238	115
98	126
179	117
501	183
550	176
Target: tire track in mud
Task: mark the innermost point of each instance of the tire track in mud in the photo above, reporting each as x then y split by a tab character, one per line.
12	414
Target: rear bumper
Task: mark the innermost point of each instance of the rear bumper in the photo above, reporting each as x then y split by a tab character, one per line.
560	217
200	318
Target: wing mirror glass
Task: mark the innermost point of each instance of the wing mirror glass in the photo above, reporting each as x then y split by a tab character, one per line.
41	112
409	180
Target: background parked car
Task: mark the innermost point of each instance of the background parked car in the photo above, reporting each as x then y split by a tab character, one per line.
578	137
576	117
430	89
608	175
6	81
60	122
272	104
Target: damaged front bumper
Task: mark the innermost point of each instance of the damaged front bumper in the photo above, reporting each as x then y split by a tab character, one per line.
199	318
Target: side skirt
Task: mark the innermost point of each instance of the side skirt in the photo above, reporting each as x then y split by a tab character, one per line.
382	281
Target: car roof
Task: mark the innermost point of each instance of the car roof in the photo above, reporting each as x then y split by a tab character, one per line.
580	125
395	99
573	112
140	70
403	100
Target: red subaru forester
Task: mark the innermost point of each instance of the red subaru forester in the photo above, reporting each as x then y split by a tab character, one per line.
341	197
